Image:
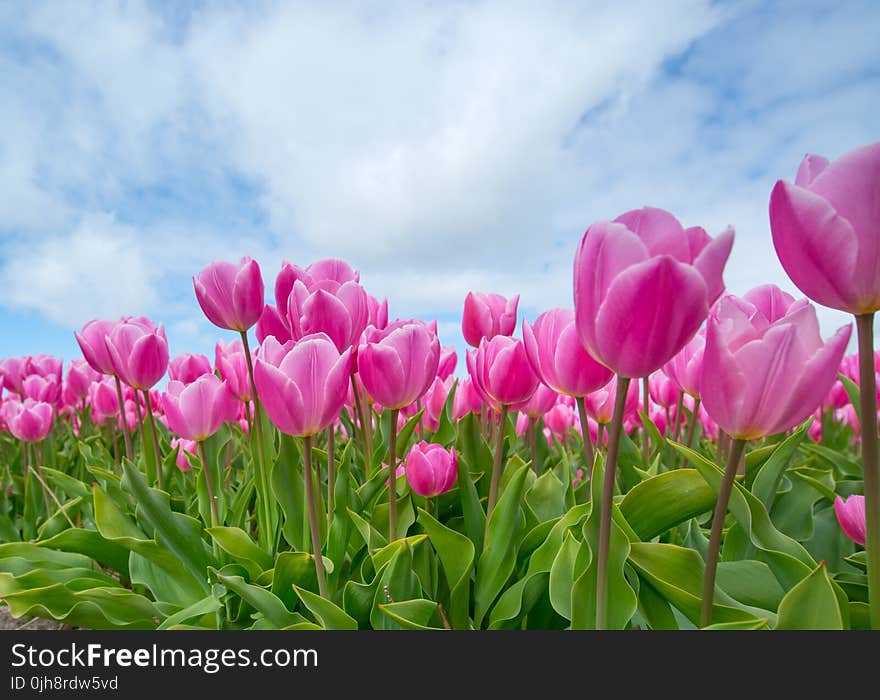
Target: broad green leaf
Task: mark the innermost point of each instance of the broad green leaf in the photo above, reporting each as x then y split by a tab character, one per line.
91	544
259	598
750	582
757	624
456	554
663	501
329	615
412	614
242	548
200	608
765	483
813	604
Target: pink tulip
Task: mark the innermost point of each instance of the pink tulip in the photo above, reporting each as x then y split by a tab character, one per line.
643	285
273	323
230	295
851	516
197	410
302	386
103	399
557	356
467	399
662	390
539	403
187	367
398	364
434	401
487	315
80	376
448	360
45	366
28	420
762	377
559	420
825	229
340	311
522	424
501	370
231	362
431	469
13	370
600	404
94	349
378	312
185	448
686	367
42	389
138	352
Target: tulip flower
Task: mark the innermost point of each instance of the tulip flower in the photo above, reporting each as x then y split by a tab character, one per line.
13	370
94	349
487	315
559	420
340	311
467	400
434	402
231	296
851	516
643	285
197	410
825	228
187	367
303	387
230	361
184	448
272	322
103	399
80	376
43	389
431	469
761	377
448	360
28	420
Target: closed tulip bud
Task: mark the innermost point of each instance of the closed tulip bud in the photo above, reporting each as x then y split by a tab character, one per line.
94	349
196	411
600	404
80	376
378	312
103	399
686	368
488	315
13	370
539	403
503	372
187	367
302	386
41	389
662	390
431	469
28	420
185	449
138	353
434	401
340	311
467	399
448	361
851	516
558	358
398	364
762	377
231	362
231	295
825	228
643	285
559	420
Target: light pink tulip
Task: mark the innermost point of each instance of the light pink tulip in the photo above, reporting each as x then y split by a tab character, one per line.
448	360
686	368
13	370
231	361
431	469
600	404
28	420
231	295
197	410
488	315
340	311
272	323
501	369
187	367
80	376
851	516
467	399
138	352
539	403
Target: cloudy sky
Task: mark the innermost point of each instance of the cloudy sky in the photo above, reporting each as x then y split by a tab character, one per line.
438	146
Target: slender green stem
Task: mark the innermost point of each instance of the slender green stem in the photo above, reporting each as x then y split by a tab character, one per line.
331	473
870	462
264	505
599	435
123	424
736	451
646	402
679	409
366	433
313	517
159	476
532	437
692	428
49	491
392	478
607	503
496	467
589	454
209	483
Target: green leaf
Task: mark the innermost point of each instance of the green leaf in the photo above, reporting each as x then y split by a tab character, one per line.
562	576
411	614
756	624
259	598
547	497
854	393
498	558
91	544
813	604
397	582
328	614
663	501
289	490
767	480
456	554
205	606
750	582
472	509
242	548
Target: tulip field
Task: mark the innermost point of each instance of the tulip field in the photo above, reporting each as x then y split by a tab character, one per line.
660	455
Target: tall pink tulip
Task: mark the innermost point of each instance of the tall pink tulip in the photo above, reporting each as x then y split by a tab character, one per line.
188	367
538	403
197	410
13	370
91	342
230	361
851	516
28	420
431	469
434	402
231	295
80	376
448	360
340	311
43	389
488	315
138	353
760	377
825	231
273	323
467	399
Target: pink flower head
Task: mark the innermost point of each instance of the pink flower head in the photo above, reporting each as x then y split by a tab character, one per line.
196	411
187	367
138	352
339	310
851	516
467	399
539	403
80	376
431	469
501	370
230	295
488	315
448	360
231	361
28	420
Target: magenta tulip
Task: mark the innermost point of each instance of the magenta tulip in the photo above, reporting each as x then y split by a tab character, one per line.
643	285
230	295
197	410
762	377
825	229
466	400
398	364
487	315
28	420
231	362
662	390
340	311
431	469
80	376
187	367
138	353
851	516
538	403
378	312
272	323
448	361
502	371
600	403
103	399
302	386
13	370
434	402
42	389
557	356
686	368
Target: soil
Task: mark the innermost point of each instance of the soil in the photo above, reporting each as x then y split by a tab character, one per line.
7	622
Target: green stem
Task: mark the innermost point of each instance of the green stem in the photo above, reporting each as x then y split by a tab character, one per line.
159	476
209	483
122	422
313	517
679	409
331	473
607	503
870	462
532	437
692	428
496	467
589	454
736	451
646	402
392	478
366	433
264	505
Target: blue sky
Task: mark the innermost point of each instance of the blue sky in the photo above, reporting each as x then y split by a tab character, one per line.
439	147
